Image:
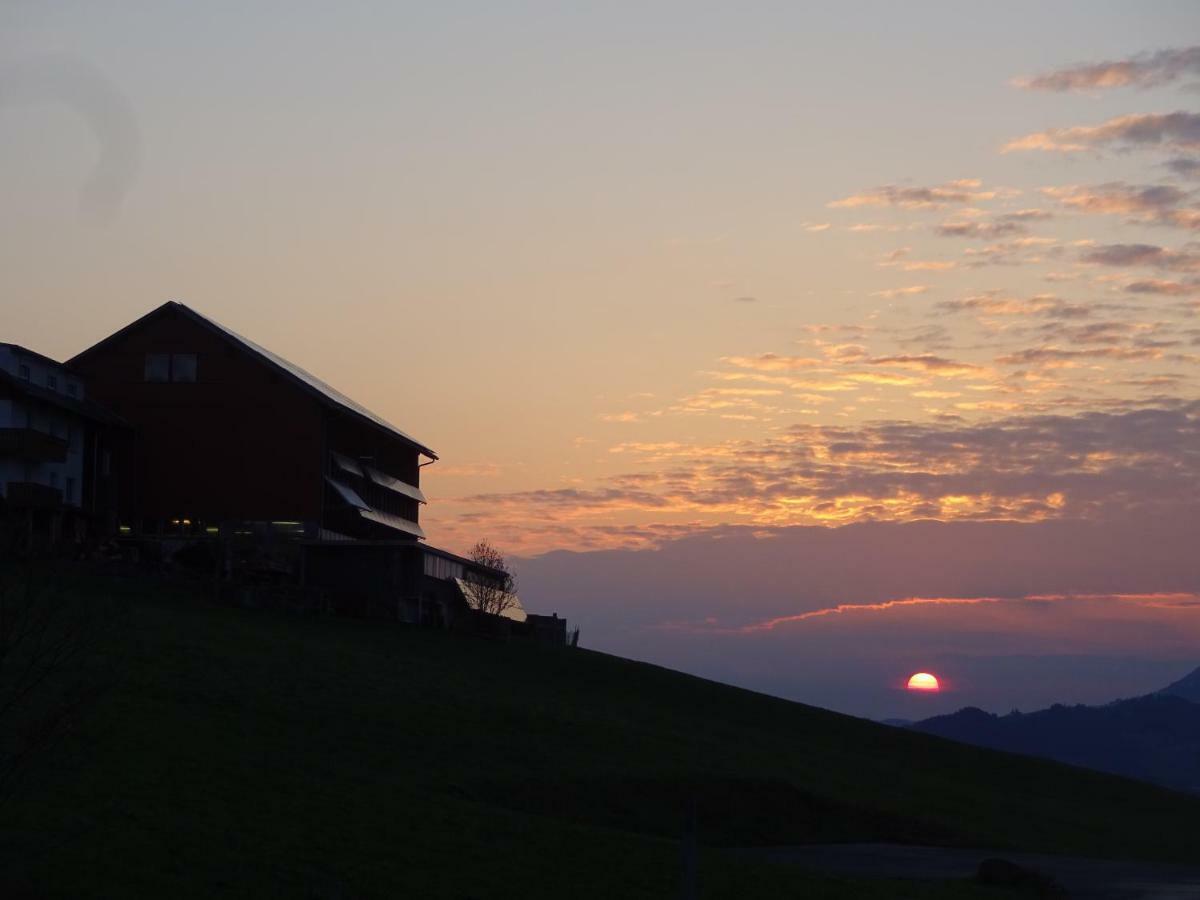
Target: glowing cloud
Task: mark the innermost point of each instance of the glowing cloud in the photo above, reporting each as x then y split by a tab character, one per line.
1143	71
1180	130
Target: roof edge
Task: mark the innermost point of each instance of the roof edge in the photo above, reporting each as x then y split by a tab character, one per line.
257	352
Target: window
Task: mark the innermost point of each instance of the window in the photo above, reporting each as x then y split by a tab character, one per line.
440	567
72	389
69	491
171	367
23	371
183	367
52	382
158	367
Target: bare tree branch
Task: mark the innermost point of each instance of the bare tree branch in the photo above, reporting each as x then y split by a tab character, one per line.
493	590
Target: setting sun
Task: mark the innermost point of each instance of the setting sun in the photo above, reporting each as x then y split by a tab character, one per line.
923	681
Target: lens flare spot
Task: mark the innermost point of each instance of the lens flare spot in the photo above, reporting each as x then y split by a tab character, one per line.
923	681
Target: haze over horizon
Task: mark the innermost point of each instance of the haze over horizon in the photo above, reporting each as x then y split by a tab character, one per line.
797	348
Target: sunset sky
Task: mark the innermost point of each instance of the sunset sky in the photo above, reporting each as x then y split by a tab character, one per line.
712	312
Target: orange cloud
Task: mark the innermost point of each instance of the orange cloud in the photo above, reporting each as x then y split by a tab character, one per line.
1172	600
1179	130
964	190
1144	71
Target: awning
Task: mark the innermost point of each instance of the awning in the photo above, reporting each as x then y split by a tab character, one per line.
346	464
515	610
347	493
395	522
395	484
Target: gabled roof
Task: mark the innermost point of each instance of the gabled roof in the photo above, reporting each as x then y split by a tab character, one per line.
25	351
325	393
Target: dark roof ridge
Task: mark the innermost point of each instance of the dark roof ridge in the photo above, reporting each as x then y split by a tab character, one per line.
314	385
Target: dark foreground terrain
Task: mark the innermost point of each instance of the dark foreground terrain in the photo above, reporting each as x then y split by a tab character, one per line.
1074	877
250	753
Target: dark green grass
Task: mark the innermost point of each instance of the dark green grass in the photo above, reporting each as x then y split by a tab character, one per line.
247	753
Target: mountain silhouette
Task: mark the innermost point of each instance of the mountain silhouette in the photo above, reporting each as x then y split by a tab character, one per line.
1154	738
1187	687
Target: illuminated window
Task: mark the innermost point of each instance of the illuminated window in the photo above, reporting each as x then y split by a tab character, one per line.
158	367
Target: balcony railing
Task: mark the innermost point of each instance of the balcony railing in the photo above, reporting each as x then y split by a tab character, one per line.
34	446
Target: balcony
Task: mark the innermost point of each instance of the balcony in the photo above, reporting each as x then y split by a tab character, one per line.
28	495
32	446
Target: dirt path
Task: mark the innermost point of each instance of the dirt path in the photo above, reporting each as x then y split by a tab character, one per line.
1093	879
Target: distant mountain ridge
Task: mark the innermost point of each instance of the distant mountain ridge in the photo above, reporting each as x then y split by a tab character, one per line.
1153	738
1187	687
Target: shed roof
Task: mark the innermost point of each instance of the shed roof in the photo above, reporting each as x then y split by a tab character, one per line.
324	392
512	609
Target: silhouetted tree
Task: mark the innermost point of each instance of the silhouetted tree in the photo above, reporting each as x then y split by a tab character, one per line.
493	592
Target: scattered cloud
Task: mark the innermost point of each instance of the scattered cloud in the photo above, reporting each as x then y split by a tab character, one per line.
1158	204
1184	167
1175	130
1055	355
1184	600
962	191
928	265
925	362
979	229
1156	286
771	362
1027	215
1184	260
1143	71
1015	252
994	304
867	227
1018	468
893	293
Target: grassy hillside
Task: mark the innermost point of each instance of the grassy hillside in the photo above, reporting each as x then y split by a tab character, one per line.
248	753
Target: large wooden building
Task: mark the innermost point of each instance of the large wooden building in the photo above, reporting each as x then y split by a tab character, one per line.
230	435
232	445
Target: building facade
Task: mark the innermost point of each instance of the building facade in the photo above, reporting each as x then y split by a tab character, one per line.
235	448
231	436
56	449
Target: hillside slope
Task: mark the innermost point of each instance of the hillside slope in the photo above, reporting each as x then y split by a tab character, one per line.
248	753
